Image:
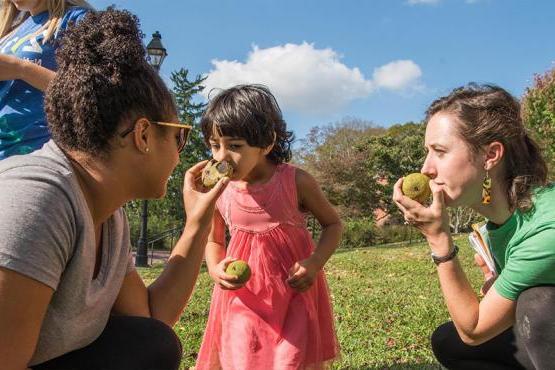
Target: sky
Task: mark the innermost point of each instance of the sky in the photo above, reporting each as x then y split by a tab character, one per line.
382	61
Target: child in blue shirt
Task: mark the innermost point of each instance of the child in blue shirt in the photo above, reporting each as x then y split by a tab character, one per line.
29	35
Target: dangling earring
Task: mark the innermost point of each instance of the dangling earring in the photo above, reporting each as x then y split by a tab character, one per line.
486	189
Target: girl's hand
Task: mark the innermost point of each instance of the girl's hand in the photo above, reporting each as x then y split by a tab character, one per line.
489	276
303	273
199	206
432	221
11	68
225	281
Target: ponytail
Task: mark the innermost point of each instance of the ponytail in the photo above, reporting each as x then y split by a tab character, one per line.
526	170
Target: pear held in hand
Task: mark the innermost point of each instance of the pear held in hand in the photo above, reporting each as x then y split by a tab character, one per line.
240	269
214	171
416	186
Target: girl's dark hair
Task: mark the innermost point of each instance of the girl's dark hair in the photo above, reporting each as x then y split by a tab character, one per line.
250	112
102	80
488	113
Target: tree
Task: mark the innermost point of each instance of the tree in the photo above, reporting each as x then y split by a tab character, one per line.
538	105
396	153
462	218
168	212
331	155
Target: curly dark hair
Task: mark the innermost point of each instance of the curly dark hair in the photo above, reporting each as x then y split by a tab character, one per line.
103	80
250	112
488	113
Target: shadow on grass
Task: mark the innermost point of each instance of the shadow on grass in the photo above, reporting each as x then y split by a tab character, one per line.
422	366
380	246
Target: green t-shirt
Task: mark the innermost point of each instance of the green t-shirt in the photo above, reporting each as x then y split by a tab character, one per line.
524	246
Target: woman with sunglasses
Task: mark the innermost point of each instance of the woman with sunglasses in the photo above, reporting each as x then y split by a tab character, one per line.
70	297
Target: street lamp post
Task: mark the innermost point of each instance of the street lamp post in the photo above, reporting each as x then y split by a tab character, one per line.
156	53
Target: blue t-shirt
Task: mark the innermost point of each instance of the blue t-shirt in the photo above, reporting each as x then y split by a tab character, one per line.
23	127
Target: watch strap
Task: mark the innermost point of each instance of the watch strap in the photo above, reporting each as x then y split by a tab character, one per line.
439	259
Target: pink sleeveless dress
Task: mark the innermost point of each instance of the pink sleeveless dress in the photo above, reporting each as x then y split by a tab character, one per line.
266	324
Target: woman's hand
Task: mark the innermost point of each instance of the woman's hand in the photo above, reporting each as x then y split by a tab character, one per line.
432	221
489	276
11	67
199	206
303	273
224	280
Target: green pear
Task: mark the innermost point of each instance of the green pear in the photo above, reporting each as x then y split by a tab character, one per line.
240	269
214	171
416	186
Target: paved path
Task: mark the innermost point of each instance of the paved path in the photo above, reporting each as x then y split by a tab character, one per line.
156	256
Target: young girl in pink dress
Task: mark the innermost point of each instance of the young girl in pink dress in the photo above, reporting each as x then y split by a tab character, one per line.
282	317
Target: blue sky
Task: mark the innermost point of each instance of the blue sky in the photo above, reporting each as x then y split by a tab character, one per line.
383	61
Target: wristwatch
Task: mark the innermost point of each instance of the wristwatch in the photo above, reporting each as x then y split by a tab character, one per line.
439	259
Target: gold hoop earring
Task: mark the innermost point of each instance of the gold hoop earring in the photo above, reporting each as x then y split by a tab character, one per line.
486	189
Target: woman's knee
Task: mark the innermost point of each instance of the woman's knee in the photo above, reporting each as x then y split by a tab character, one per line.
441	341
146	343
165	347
534	311
534	323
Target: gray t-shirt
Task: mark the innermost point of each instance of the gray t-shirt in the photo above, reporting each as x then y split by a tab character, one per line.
47	234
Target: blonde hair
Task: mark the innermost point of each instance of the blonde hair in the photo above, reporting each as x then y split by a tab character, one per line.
10	17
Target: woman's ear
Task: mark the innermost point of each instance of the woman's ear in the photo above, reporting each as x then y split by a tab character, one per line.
494	153
143	135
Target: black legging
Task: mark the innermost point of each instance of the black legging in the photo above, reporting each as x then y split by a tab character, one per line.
529	344
127	343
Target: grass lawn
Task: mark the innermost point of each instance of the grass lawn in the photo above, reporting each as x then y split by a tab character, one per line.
386	301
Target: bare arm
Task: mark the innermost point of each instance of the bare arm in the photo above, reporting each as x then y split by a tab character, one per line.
169	293
215	248
476	321
167	296
23	304
13	68
216	261
312	199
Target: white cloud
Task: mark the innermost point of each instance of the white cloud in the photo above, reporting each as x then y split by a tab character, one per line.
397	75
416	2
308	80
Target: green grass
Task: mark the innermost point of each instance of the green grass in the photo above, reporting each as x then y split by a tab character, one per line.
386	300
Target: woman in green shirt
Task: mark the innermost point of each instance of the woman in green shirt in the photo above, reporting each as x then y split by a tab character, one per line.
480	156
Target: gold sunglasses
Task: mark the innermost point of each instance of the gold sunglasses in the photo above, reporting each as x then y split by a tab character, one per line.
184	131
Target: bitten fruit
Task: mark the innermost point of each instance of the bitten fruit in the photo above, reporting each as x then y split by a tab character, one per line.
214	171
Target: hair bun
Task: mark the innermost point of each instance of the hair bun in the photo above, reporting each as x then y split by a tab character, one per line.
109	40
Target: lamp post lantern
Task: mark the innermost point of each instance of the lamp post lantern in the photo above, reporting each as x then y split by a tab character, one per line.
156	53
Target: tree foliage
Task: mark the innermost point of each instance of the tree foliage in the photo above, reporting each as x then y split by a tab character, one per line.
357	164
396	153
332	155
538	106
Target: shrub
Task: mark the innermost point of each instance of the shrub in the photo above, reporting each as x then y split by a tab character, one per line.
360	232
397	233
538	108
